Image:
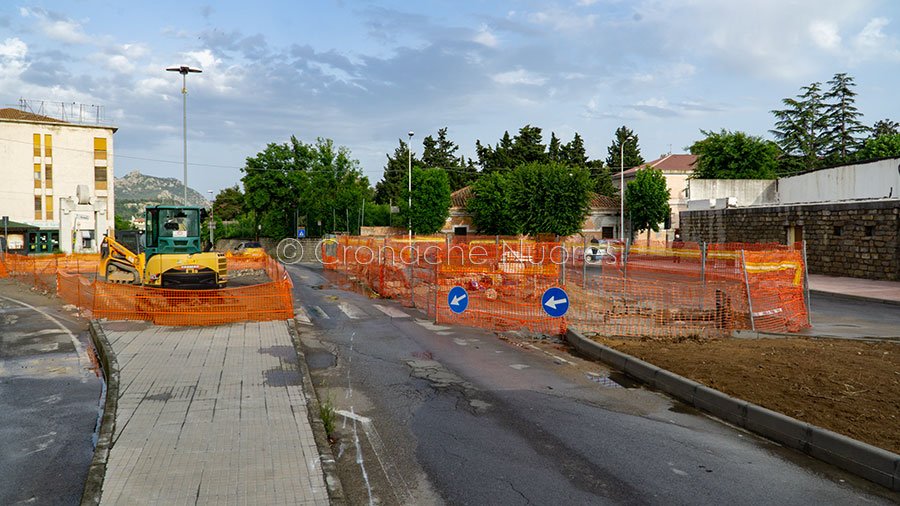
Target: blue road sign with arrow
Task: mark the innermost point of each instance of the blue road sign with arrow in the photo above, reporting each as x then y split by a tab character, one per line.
458	299
555	302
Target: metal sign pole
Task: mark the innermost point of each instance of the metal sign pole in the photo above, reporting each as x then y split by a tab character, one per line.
806	287
747	284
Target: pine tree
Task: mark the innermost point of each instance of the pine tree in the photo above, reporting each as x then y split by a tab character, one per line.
440	153
394	182
632	153
573	152
843	126
801	128
554	148
885	127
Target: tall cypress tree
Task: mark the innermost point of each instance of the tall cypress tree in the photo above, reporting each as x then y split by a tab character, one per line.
394	181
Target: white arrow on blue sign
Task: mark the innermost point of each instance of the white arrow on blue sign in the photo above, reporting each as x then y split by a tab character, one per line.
555	302
458	299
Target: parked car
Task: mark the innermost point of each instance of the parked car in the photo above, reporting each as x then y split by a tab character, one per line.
605	251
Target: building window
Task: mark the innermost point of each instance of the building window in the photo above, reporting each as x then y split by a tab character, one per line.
49	207
37	175
870	230
48	176
838	230
37	145
38	215
607	233
99	148
48	145
100	178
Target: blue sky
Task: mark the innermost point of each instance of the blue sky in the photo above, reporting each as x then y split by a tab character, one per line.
364	73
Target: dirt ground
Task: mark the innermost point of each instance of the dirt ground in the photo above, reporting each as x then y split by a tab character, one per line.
849	387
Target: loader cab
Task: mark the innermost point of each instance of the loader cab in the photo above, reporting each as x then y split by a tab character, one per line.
173	229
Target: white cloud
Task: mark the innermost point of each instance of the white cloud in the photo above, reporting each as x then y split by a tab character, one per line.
825	34
872	37
485	37
563	21
520	76
57	27
13	48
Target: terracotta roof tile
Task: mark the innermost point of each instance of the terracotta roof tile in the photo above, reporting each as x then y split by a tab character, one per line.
10	113
668	163
460	197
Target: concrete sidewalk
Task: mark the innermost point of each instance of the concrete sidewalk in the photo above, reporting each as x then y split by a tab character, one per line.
210	415
856	288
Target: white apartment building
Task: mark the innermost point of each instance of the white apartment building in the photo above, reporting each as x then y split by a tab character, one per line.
57	187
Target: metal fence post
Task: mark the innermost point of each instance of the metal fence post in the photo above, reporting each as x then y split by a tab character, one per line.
806	294
749	297
584	261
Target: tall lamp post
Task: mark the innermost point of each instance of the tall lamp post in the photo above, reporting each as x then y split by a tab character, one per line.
622	187
409	165
212	222
184	70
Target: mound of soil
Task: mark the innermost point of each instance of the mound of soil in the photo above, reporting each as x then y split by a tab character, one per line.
849	387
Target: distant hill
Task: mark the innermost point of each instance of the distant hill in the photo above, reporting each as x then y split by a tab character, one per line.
135	191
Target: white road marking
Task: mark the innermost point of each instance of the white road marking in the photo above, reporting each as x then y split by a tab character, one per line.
391	311
83	359
556	357
302	316
519	367
353	416
320	312
428	324
352	312
461	342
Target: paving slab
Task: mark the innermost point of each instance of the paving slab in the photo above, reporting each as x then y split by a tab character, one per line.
210	415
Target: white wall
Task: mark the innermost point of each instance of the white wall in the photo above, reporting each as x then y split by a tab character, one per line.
874	180
747	192
73	164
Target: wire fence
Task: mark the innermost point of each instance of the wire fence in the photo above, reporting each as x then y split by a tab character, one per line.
655	290
73	279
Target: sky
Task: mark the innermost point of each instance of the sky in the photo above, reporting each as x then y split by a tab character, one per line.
365	73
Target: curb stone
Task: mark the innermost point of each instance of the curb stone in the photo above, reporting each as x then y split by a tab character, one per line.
870	462
326	456
93	487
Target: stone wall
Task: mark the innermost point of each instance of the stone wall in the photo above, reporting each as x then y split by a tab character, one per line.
857	239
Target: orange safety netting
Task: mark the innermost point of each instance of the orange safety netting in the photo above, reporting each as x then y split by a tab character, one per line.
651	290
72	277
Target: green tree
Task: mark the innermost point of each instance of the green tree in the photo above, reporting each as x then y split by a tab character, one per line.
647	198
734	155
228	204
883	146
510	152
122	224
491	159
491	207
554	149
535	198
573	152
319	181
885	127
430	201
801	127
601	177
632	153
396	175
844	130
440	153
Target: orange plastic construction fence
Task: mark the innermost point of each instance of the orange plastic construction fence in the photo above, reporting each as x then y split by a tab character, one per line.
72	277
655	289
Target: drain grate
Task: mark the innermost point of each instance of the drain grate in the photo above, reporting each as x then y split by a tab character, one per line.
603	380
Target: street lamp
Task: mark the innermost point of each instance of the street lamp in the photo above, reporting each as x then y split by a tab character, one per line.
184	70
622	187
409	203
212	222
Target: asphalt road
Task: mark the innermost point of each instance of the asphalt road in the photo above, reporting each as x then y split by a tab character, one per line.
433	414
49	400
836	316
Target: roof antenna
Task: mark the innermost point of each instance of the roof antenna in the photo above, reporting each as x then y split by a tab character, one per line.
670	149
